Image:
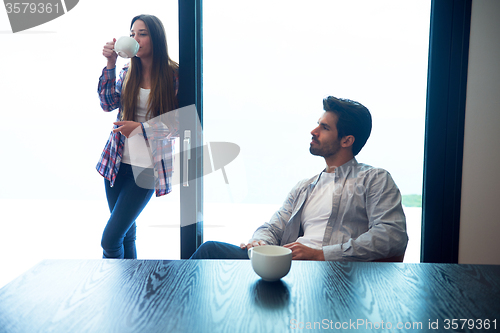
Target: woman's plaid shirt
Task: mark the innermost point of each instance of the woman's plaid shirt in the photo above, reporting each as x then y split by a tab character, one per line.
158	136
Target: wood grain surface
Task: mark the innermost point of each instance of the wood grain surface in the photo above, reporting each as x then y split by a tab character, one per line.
227	296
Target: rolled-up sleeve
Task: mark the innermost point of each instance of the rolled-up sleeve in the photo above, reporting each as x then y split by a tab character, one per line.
386	236
273	232
109	95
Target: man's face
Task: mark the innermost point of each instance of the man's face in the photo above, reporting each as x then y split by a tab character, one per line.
325	140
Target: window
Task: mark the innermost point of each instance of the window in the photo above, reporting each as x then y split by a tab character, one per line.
267	67
52	199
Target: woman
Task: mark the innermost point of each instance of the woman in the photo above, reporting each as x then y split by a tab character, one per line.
145	89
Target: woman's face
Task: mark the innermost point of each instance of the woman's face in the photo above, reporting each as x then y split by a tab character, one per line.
140	33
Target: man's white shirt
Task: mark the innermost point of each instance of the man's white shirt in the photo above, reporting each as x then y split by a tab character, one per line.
317	210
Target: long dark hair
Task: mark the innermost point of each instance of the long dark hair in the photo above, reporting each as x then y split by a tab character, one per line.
162	95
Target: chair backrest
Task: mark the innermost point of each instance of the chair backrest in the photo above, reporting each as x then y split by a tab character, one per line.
392	259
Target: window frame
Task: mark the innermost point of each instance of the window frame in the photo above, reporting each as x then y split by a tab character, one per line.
444	129
444	125
191	92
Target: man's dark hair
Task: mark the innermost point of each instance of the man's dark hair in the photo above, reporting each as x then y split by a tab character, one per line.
353	119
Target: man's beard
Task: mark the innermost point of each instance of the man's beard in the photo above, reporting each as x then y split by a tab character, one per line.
326	151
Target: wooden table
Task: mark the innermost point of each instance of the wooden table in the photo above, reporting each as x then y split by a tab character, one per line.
227	296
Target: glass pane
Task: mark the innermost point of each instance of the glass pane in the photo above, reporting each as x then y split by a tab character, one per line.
52	199
267	67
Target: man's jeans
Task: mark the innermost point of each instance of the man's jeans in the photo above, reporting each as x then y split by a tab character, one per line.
219	250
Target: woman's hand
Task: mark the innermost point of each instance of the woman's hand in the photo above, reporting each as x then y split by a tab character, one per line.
109	54
128	128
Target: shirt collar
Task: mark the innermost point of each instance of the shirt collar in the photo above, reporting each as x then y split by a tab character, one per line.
342	170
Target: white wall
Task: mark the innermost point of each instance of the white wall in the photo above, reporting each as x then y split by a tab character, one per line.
480	211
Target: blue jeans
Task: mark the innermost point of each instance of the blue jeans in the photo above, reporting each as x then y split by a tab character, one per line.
126	201
219	250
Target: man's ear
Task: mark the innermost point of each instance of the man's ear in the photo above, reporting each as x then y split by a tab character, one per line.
347	141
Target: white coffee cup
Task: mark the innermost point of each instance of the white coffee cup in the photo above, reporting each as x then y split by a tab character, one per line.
270	262
126	47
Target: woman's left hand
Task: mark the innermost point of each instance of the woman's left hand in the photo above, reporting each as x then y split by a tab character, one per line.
128	128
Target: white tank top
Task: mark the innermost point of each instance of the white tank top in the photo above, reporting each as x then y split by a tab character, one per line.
136	151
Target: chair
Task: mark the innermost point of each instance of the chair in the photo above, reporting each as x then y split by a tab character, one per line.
392	259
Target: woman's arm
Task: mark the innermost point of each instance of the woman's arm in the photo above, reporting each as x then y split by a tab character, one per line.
127	128
108	89
109	53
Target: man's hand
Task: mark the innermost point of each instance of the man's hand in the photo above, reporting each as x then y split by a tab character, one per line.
252	244
303	252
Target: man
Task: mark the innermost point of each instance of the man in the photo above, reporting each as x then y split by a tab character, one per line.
349	212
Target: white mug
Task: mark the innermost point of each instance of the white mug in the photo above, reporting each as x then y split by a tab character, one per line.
270	262
126	47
